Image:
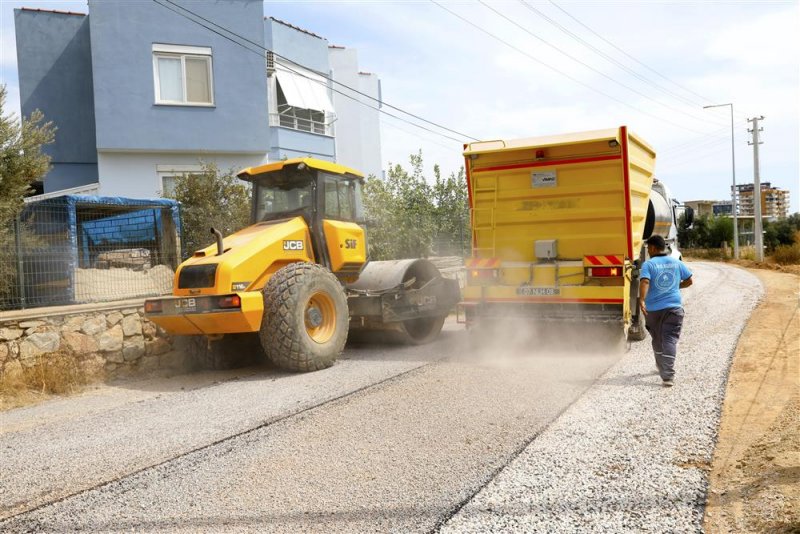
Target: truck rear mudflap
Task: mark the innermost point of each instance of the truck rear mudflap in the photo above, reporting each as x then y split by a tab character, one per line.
210	315
471	312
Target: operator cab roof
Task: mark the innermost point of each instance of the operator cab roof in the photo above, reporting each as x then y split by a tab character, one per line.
313	163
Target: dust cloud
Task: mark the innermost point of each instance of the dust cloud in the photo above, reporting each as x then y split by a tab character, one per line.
561	351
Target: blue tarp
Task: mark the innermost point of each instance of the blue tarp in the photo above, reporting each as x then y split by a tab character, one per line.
71	230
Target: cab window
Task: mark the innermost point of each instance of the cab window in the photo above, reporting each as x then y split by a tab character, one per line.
342	200
282	193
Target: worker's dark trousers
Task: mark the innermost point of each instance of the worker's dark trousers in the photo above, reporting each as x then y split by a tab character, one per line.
665	329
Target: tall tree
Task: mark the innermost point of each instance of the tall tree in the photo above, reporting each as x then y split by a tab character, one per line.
22	161
411	216
210	198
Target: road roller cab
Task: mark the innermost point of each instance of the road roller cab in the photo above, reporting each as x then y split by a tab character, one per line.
298	277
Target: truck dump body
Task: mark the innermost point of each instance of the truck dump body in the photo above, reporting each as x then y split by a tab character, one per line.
557	222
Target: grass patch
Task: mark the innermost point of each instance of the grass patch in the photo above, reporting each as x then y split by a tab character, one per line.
787	254
56	373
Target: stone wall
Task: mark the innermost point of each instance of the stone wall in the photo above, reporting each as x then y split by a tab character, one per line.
106	344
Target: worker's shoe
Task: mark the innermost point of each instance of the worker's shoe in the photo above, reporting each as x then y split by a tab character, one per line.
668	383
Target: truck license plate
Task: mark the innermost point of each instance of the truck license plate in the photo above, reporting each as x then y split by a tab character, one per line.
186	305
538	291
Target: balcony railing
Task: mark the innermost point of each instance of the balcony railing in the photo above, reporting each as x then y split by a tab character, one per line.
302	120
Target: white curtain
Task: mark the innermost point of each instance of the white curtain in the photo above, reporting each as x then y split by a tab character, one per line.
170	79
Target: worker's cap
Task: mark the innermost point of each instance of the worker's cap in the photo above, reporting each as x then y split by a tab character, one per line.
657	241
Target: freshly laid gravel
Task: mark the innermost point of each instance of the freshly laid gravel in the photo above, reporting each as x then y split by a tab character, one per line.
630	455
404	455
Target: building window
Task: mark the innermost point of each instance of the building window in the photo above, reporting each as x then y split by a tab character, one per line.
168	177
300	99
183	75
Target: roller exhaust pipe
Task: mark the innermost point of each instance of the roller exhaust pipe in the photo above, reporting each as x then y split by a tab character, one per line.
218	234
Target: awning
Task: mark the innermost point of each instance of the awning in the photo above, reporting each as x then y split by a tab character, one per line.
303	88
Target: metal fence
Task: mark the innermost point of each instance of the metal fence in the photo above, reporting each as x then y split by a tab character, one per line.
78	249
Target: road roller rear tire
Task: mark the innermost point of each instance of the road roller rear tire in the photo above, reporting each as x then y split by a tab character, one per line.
305	318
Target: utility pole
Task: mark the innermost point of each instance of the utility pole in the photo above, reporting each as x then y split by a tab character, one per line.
759	237
734	191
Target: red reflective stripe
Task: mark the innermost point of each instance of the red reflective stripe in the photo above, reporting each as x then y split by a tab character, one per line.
626	178
483	263
547	163
469	194
615	260
594	260
546	299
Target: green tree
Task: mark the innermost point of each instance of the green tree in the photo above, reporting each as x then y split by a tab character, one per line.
22	162
451	213
401	213
210	198
781	232
410	216
720	230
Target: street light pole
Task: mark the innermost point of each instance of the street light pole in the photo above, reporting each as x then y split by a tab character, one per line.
734	207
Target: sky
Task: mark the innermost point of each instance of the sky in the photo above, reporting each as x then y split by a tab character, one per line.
525	68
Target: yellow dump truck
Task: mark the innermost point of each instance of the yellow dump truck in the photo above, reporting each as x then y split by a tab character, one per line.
558	225
298	279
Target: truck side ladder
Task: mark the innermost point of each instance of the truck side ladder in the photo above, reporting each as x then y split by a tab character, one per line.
486	252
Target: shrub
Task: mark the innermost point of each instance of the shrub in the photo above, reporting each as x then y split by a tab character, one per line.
210	198
787	254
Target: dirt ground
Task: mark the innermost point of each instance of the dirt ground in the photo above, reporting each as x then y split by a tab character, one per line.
755	474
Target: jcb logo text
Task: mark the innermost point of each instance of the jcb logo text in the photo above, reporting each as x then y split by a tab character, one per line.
291	244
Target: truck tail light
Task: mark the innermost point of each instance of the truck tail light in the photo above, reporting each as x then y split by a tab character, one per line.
153	306
229	301
605	272
483	274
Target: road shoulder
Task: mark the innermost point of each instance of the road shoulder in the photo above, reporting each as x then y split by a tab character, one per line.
756	465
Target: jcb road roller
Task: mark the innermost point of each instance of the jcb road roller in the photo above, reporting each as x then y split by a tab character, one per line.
298	278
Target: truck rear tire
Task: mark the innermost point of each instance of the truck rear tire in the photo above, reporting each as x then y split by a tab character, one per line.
637	331
420	331
305	318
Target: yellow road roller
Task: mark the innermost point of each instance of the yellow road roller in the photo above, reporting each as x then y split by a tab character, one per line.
298	278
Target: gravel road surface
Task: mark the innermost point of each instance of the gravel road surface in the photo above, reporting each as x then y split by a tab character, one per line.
66	446
389	439
630	455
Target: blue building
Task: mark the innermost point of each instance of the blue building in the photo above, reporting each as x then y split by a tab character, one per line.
140	94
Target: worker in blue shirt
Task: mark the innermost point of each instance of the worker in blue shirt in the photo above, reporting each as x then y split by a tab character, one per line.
661	279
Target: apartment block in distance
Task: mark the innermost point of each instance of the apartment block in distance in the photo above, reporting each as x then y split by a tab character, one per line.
141	94
774	201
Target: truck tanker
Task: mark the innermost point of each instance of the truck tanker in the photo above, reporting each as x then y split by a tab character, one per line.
559	224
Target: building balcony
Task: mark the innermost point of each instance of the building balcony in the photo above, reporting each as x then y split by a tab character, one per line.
303	120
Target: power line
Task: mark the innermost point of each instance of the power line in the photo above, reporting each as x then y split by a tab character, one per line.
696	146
608	57
703	99
593	69
264	49
396	127
698	140
572	78
709	151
